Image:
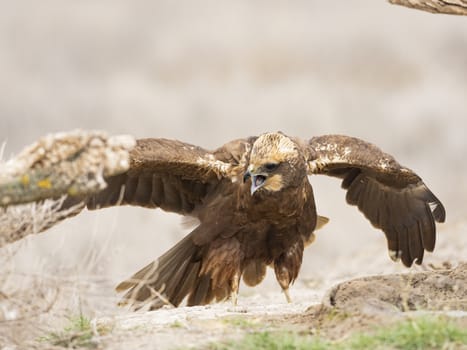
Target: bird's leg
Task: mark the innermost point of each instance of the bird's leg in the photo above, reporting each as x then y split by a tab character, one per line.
287	265
234	286
287	295
234	298
283	277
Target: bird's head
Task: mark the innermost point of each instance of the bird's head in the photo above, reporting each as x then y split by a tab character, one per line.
276	162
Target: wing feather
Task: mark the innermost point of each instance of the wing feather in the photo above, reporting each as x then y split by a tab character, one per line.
170	175
393	198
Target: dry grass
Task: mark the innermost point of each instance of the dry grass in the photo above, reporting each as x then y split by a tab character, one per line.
36	304
18	221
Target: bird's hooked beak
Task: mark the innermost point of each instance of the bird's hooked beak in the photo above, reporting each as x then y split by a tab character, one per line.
257	180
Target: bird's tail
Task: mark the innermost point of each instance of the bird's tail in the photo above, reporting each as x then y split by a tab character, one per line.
169	279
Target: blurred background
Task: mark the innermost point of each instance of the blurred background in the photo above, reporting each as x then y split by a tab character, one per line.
208	71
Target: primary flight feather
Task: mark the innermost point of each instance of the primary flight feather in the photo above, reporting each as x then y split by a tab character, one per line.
255	208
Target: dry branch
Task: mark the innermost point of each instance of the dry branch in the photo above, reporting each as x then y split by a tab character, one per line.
451	7
58	165
72	163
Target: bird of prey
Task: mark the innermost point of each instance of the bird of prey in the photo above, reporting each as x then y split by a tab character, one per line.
255	208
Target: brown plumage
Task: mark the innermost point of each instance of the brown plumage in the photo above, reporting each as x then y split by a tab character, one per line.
255	209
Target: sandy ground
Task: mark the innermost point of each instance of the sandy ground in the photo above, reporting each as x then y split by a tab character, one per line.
354	306
206	73
42	303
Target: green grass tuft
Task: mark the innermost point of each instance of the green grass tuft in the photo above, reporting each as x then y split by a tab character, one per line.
413	334
273	341
241	322
176	324
77	334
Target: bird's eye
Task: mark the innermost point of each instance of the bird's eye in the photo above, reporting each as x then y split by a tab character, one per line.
271	166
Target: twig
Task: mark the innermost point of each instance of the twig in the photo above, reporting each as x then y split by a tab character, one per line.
450	7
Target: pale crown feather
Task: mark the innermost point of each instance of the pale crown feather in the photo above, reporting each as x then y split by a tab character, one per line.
273	147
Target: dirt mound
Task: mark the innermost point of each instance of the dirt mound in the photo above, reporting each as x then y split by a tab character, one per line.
368	302
431	290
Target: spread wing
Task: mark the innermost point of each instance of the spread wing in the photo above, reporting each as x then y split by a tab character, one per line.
166	174
392	197
170	175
